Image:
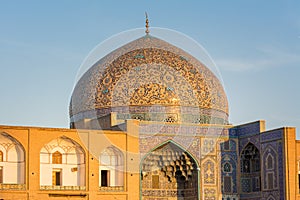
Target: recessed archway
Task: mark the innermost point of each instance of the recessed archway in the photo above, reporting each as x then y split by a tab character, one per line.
111	169
12	160
250	169
169	172
62	165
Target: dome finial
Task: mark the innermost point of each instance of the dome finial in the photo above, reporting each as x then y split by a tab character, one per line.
147	24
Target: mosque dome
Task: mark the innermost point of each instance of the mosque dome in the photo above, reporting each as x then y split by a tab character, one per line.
152	80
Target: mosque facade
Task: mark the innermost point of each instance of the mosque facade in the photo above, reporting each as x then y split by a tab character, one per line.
149	121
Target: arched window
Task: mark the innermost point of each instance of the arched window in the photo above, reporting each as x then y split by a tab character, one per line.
250	159
111	168
1	156
56	158
250	169
62	165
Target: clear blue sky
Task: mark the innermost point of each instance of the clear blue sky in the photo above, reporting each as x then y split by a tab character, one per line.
255	44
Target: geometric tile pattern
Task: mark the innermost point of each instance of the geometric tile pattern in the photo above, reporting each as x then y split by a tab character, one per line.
147	72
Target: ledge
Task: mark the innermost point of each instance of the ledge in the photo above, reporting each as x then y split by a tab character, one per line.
111	189
57	187
4	186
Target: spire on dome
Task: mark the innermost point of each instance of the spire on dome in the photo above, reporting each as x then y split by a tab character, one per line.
147	24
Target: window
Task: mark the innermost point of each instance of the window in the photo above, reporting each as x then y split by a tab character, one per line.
56	158
245	166
56	177
227	184
1	156
256	165
105	178
227	168
62	163
250	167
250	159
111	167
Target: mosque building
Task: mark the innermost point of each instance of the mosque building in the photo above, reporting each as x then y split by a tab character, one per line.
149	121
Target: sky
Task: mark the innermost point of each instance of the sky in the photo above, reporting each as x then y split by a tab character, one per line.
255	45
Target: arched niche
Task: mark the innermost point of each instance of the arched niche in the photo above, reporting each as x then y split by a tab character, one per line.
169	171
12	163
62	164
111	168
250	169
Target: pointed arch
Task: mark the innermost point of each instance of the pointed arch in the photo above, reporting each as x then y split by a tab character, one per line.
169	166
111	168
111	156
175	143
269	160
250	169
62	164
12	160
268	149
250	159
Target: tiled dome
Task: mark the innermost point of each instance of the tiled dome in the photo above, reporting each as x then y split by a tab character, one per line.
150	79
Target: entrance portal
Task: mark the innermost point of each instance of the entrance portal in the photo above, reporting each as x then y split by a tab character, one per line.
169	173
